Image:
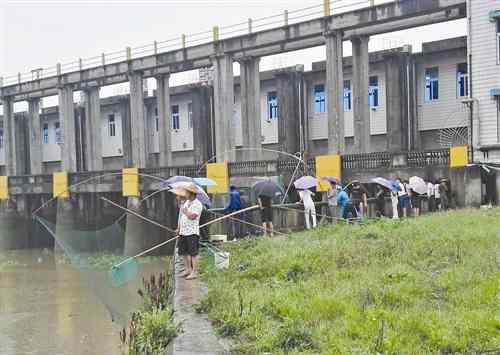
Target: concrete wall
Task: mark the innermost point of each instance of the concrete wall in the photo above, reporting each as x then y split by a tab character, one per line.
485	68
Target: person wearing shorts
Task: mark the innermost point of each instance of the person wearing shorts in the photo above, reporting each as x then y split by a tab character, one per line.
189	230
266	213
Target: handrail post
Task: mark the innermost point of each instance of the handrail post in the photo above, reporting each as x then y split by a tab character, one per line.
128	52
19	78
286	18
58	69
216	33
183	41
326	8
155	47
80	63
103	59
249	25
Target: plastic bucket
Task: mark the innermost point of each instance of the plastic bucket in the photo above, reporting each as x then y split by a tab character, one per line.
221	260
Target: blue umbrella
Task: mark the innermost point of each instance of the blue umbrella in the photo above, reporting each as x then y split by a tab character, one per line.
386	183
202	181
305	182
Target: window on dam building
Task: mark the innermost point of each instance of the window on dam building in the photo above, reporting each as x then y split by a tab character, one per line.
462	80
111	125
190	115
432	84
498	40
272	103
373	91
319	99
347	96
45	133
57	128
176	124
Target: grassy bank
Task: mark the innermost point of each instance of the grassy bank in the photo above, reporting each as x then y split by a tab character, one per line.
430	285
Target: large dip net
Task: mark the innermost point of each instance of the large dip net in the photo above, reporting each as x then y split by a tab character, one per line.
93	231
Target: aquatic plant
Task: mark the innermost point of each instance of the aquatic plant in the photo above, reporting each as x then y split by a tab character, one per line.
152	328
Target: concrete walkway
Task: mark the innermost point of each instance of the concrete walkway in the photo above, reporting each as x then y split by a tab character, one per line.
198	336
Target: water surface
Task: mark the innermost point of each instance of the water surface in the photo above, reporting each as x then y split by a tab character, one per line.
46	308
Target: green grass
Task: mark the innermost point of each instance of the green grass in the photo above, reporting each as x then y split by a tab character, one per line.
430	285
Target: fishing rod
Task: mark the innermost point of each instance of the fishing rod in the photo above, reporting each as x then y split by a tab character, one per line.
138	215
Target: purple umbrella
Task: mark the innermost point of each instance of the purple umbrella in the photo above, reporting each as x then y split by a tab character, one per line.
305	182
176	179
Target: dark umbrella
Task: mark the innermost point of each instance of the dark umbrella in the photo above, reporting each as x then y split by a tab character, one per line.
267	188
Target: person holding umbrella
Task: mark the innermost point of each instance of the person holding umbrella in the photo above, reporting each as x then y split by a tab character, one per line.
309	207
303	185
359	198
189	228
265	191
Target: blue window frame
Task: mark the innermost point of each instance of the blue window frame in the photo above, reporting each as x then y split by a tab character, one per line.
498	40
319	99
432	84
176	120
1	138
190	115
45	133
57	129
272	104
111	125
462	80
347	96
373	91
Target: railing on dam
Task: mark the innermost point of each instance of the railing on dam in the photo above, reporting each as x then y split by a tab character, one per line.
250	26
111	180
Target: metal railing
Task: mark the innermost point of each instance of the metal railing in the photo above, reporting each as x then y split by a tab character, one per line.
367	160
250	26
429	158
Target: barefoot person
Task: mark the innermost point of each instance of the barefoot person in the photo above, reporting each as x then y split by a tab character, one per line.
189	230
266	213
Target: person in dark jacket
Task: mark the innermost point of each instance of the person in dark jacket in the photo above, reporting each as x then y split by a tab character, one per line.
234	206
380	201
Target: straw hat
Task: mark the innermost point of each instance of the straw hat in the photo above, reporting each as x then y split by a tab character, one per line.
184	189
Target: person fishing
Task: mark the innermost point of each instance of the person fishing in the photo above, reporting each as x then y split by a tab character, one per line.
332	201
347	208
234	205
309	207
359	198
189	229
380	201
266	213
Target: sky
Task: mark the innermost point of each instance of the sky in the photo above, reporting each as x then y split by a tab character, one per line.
41	33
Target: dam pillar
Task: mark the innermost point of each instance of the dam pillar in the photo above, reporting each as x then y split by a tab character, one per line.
9	137
164	113
93	132
335	92
361	108
223	106
68	127
138	124
35	139
250	107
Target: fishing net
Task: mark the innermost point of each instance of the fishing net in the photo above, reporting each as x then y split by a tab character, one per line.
96	235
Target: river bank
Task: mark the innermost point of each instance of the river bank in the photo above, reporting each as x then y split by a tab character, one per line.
427	285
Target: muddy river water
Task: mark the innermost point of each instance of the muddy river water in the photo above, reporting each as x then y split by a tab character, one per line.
47	308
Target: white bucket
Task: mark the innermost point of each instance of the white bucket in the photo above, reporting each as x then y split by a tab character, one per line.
221	260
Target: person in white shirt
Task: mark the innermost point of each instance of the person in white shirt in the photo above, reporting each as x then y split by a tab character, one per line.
309	207
430	196
189	230
404	197
332	202
437	196
395	201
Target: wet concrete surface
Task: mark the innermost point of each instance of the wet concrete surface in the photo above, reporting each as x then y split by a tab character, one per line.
46	308
198	336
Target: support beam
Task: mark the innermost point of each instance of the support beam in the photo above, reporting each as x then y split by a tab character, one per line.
335	92
361	109
35	137
223	107
138	122
202	123
67	126
396	102
250	107
9	137
93	132
164	134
